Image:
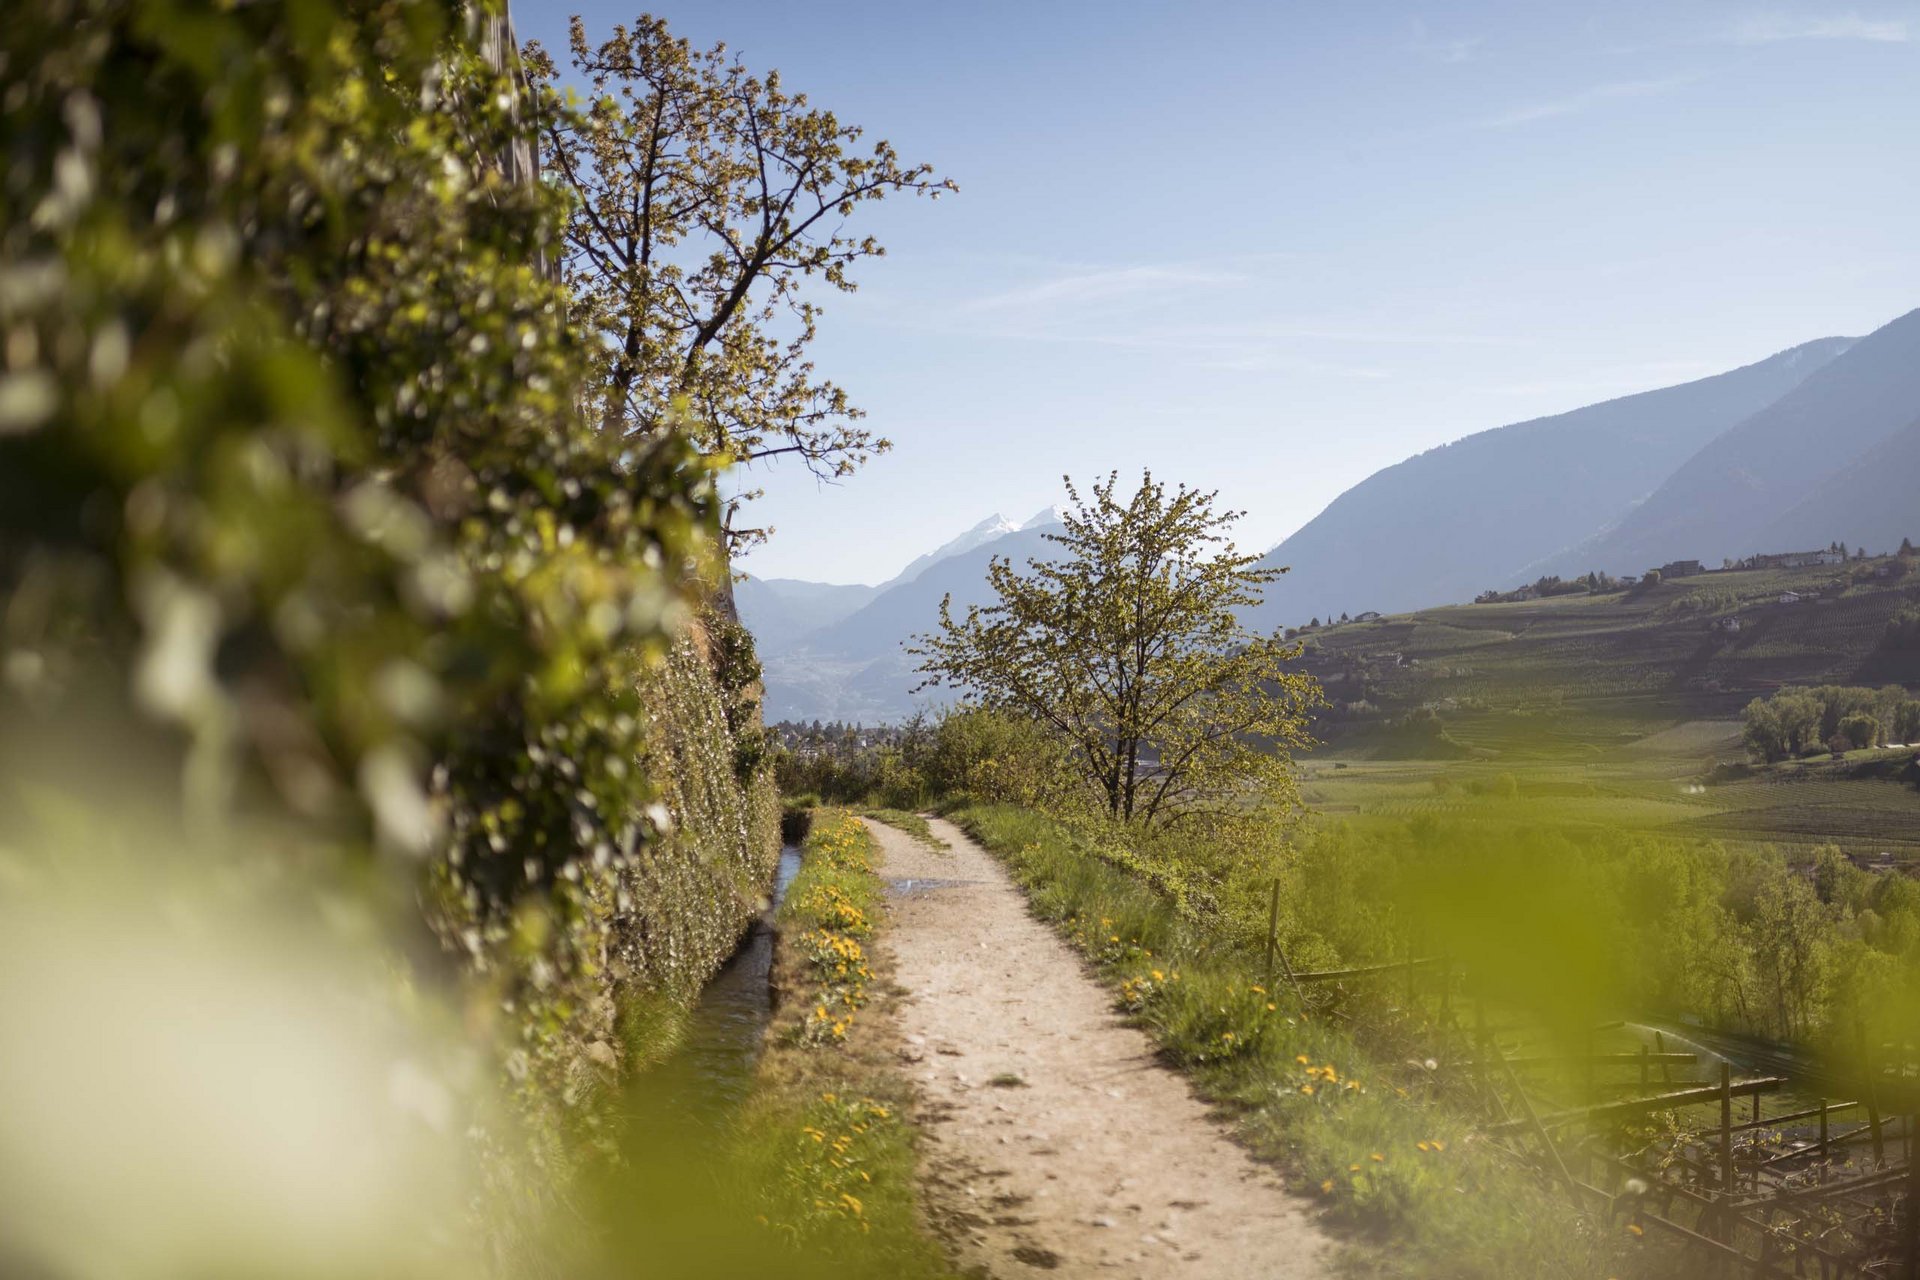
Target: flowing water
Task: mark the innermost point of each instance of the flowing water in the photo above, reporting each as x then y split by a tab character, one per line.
730	1020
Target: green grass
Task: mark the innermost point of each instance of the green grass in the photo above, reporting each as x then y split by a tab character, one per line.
816	1173
824	1141
914	824
1654	783
1378	1145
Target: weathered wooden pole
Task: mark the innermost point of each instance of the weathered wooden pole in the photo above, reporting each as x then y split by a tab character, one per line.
1910	1237
1726	1126
1273	930
1873	1096
1539	1130
1823	1139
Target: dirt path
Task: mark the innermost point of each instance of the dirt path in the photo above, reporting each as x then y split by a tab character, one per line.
1101	1163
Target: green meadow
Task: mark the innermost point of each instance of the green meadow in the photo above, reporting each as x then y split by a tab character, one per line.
1619	710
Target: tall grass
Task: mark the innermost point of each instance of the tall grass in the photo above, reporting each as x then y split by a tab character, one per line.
816	1174
1375	1139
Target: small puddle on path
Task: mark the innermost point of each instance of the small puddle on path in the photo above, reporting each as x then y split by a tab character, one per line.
912	886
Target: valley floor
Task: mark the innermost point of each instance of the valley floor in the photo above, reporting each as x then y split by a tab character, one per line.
1055	1139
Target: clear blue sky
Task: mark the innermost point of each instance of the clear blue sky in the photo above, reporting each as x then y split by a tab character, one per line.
1270	248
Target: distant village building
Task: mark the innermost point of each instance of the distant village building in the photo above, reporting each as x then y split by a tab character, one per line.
1371	615
1791	597
1728	624
1681	569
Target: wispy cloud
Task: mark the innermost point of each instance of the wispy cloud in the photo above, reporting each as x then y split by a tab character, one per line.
1773	28
1584	100
1208	313
1444	48
1105	284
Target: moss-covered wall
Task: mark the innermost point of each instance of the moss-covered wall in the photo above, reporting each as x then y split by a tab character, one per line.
595	979
688	896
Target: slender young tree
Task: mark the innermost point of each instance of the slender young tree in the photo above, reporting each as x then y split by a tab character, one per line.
1128	646
709	204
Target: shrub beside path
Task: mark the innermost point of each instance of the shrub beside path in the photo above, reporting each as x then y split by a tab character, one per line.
1055	1140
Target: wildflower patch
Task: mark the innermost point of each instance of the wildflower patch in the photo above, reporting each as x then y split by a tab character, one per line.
828	915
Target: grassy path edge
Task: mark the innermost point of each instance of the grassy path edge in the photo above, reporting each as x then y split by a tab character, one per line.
1416	1192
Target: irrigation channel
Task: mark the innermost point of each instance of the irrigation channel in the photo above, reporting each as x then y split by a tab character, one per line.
715	1064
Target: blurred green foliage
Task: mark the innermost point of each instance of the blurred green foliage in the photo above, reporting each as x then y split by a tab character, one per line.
308	551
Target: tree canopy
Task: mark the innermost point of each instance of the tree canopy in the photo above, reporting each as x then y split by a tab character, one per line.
708	202
1129	648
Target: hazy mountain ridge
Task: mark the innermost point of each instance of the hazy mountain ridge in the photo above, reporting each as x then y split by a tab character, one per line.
1879	493
1816	443
1445	524
853	665
1732	496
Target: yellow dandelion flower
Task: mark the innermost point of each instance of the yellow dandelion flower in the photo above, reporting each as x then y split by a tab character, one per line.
1302	1059
1377	1158
1326	1188
1307	1089
1423	1146
1636	1228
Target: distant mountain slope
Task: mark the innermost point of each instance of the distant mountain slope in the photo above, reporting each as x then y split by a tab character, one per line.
852	664
878	627
1730	498
1875	502
780	608
1452	521
994	526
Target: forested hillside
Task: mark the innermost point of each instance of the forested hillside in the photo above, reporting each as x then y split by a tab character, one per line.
1444	524
1734	496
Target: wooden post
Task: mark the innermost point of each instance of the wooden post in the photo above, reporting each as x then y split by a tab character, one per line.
1911	1236
1660	1046
1645	1079
1273	930
1539	1130
1823	1139
1484	1050
1873	1097
1726	1127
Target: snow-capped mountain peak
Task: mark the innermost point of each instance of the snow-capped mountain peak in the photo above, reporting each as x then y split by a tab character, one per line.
994	526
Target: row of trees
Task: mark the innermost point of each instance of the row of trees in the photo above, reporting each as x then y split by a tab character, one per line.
1577	923
1589	584
1804	721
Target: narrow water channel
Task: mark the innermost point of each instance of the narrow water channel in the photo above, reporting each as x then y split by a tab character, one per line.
730	1020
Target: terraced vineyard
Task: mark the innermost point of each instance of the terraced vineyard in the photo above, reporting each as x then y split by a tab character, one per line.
1613	710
